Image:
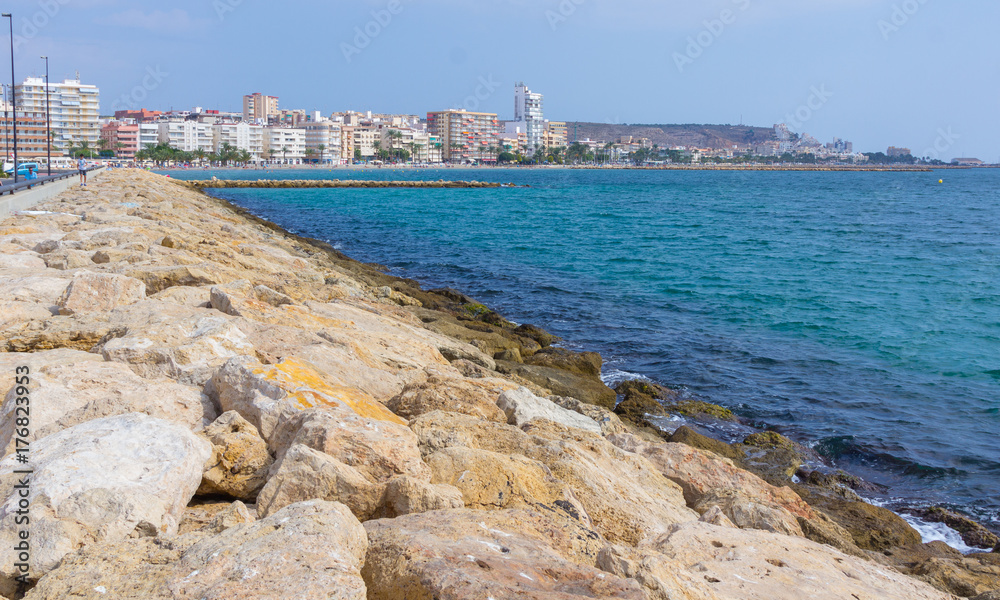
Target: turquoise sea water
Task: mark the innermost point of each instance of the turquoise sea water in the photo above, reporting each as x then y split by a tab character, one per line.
858	313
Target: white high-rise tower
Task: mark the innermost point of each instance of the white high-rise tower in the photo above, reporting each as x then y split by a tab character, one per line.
528	110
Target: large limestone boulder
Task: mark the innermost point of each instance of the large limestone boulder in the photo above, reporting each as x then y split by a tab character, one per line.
521	406
465	554
624	495
474	397
707	562
94	292
161	339
308	551
313	550
268	394
76	392
491	481
709	480
44	291
98	482
408	495
379	450
307	474
240	460
28	261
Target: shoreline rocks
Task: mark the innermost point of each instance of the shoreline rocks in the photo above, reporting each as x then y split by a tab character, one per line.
222	409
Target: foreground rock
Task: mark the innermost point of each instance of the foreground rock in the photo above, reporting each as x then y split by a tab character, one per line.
98	482
75	392
312	550
463	554
702	561
240	461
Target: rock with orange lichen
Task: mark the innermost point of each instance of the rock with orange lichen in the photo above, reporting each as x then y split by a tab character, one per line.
268	394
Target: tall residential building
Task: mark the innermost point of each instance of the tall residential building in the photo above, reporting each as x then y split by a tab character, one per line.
528	110
465	136
258	108
30	134
74	110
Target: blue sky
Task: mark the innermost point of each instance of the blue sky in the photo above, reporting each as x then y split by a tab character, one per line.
917	73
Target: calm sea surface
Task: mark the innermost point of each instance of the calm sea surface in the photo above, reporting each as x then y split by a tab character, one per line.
858	313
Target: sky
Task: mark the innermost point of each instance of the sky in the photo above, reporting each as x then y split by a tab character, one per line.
922	74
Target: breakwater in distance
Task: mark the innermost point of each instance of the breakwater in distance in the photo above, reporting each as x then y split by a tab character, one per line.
223	397
334	184
853	312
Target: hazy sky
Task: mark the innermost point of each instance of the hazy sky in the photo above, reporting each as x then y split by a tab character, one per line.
915	73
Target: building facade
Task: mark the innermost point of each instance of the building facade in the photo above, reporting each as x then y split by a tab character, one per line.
285	145
189	136
242	136
528	110
30	135
121	138
260	109
74	110
323	138
465	136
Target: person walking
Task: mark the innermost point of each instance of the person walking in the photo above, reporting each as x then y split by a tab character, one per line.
81	165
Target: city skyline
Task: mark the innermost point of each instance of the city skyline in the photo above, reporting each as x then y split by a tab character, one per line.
911	73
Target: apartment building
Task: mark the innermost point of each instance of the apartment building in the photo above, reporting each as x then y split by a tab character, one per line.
556	134
324	139
465	136
528	110
189	136
242	136
260	109
74	110
285	145
30	134
365	137
121	138
149	135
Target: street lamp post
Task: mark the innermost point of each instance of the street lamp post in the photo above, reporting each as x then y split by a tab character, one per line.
6	126
13	91
48	119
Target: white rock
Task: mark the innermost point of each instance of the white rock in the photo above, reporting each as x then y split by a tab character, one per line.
96	482
521	406
74	393
26	260
39	290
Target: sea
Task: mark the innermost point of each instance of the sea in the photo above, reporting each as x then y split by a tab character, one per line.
857	313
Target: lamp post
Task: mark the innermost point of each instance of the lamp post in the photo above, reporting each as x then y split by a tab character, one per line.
6	126
13	91
48	119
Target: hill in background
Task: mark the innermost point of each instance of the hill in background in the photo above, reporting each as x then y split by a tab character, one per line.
696	136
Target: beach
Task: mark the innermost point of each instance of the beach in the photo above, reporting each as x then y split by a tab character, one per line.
225	409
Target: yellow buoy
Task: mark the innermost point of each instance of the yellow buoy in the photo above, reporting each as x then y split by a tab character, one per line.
940	180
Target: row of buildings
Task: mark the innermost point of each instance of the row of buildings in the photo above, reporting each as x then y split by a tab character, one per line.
265	131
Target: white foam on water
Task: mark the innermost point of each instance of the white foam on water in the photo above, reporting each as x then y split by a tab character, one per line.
613	376
939	532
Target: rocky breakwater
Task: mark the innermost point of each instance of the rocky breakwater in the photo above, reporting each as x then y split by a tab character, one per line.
333	183
221	410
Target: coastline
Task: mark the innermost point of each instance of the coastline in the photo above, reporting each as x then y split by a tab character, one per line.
486	363
701	167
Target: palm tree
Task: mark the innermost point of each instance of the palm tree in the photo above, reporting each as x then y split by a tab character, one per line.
200	154
322	152
103	144
271	152
118	148
284	154
309	153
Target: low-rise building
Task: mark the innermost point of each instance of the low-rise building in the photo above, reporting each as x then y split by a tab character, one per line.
324	139
286	145
121	138
241	136
188	136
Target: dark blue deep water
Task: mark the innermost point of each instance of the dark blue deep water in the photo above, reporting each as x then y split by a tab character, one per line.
858	313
